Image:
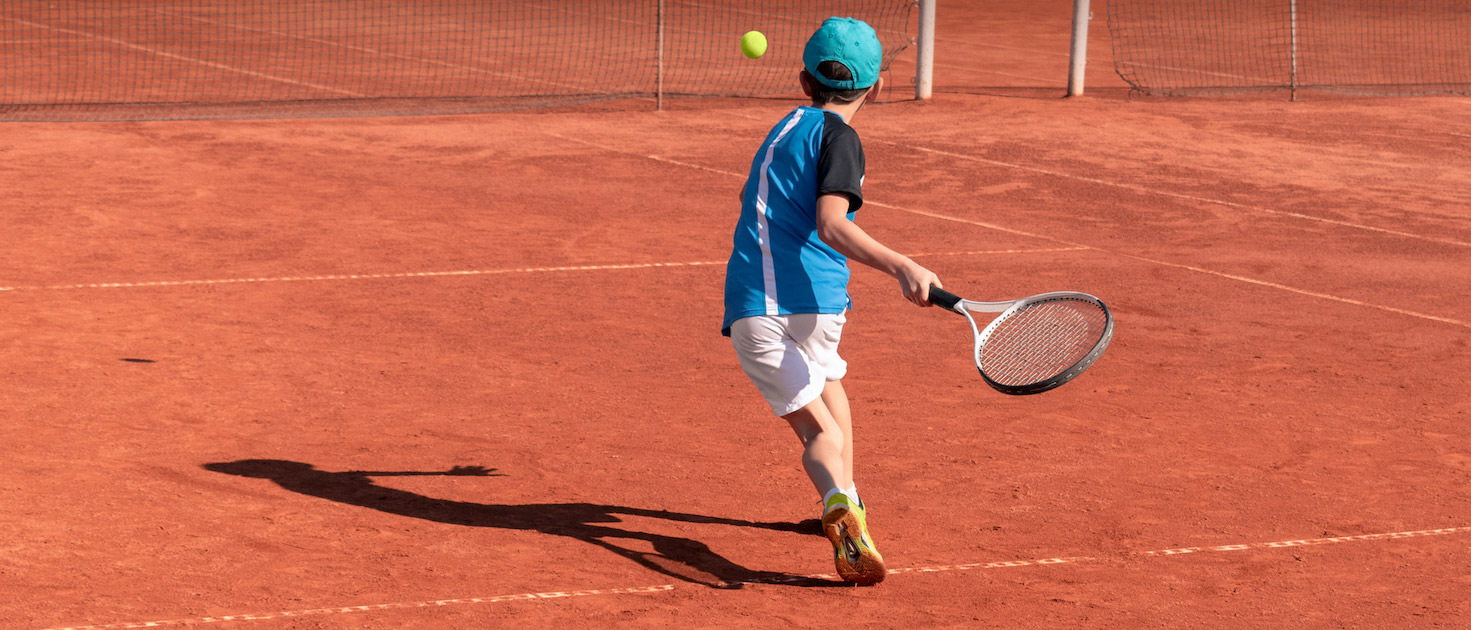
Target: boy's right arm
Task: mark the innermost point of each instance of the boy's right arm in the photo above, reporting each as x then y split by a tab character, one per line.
834	228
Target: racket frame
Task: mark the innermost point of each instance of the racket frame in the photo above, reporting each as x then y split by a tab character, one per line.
1006	308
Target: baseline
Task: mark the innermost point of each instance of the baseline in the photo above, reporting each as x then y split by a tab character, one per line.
170	55
1050	82
372	607
371	51
1003	564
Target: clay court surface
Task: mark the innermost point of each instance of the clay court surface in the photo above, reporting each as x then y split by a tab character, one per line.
467	371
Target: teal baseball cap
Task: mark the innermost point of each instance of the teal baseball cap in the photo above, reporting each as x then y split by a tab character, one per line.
848	41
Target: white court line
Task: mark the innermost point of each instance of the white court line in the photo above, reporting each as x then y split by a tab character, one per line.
1220	274
753	13
1035	51
1003	564
1053	53
667	28
365	49
1000	228
1262	82
1178	551
1399	136
353	276
1166	193
464	272
434	603
1104	182
202	62
1051	82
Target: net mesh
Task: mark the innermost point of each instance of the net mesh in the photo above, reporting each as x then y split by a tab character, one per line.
1391	47
131	59
1042	340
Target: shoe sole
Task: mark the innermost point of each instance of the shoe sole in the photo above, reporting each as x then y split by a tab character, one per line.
855	562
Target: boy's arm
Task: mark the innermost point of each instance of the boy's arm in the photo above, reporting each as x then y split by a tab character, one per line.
834	228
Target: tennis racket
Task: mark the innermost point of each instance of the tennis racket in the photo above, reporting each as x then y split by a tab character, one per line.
1036	343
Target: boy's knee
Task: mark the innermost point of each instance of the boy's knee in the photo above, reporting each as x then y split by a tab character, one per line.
830	437
810	428
822	436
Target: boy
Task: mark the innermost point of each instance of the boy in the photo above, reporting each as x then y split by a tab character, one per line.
786	285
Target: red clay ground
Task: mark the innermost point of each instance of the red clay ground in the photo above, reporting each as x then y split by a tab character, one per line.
1290	282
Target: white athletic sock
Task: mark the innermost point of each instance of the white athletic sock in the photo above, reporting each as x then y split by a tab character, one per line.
850	491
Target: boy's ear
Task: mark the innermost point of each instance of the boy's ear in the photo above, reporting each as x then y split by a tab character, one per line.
806	81
873	93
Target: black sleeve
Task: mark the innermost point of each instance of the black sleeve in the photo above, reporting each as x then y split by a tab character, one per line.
840	161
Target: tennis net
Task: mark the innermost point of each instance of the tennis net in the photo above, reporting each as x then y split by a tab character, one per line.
1391	47
162	59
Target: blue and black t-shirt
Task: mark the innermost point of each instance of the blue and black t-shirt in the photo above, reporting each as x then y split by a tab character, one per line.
778	265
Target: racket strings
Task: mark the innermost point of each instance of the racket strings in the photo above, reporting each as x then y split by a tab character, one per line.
1042	341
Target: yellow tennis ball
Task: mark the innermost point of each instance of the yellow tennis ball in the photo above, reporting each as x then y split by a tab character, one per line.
753	44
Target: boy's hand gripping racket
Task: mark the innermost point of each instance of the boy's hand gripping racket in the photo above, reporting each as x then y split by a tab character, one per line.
1036	343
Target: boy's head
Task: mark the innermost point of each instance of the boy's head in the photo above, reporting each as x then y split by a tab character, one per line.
841	61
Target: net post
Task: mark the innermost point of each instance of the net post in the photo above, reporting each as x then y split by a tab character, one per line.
924	64
1293	79
1079	53
659	73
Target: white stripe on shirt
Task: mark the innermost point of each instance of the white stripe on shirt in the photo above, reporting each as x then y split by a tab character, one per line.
763	229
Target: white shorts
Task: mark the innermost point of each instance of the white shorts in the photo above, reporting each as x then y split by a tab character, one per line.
790	358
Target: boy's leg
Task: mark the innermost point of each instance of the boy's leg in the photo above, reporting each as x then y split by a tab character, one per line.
793	359
836	400
843	518
823	443
777	353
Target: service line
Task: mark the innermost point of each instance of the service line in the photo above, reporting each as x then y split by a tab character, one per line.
1001	228
1155	191
467	272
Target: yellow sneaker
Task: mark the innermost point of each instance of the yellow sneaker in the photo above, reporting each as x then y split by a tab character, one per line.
853	551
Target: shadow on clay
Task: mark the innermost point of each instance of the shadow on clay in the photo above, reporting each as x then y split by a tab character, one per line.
581	521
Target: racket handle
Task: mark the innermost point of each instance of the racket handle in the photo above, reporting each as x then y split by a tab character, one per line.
941	297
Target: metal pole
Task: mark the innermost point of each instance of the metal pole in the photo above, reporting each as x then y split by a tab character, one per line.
1293	80
924	64
659	79
1079	54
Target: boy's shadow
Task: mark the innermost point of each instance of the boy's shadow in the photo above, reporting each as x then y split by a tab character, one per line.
672	555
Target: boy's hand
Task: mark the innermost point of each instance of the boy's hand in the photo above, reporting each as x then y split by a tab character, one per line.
915	282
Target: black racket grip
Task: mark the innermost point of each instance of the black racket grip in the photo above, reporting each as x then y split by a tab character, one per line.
941	297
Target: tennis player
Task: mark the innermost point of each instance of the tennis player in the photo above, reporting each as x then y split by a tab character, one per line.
786	285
